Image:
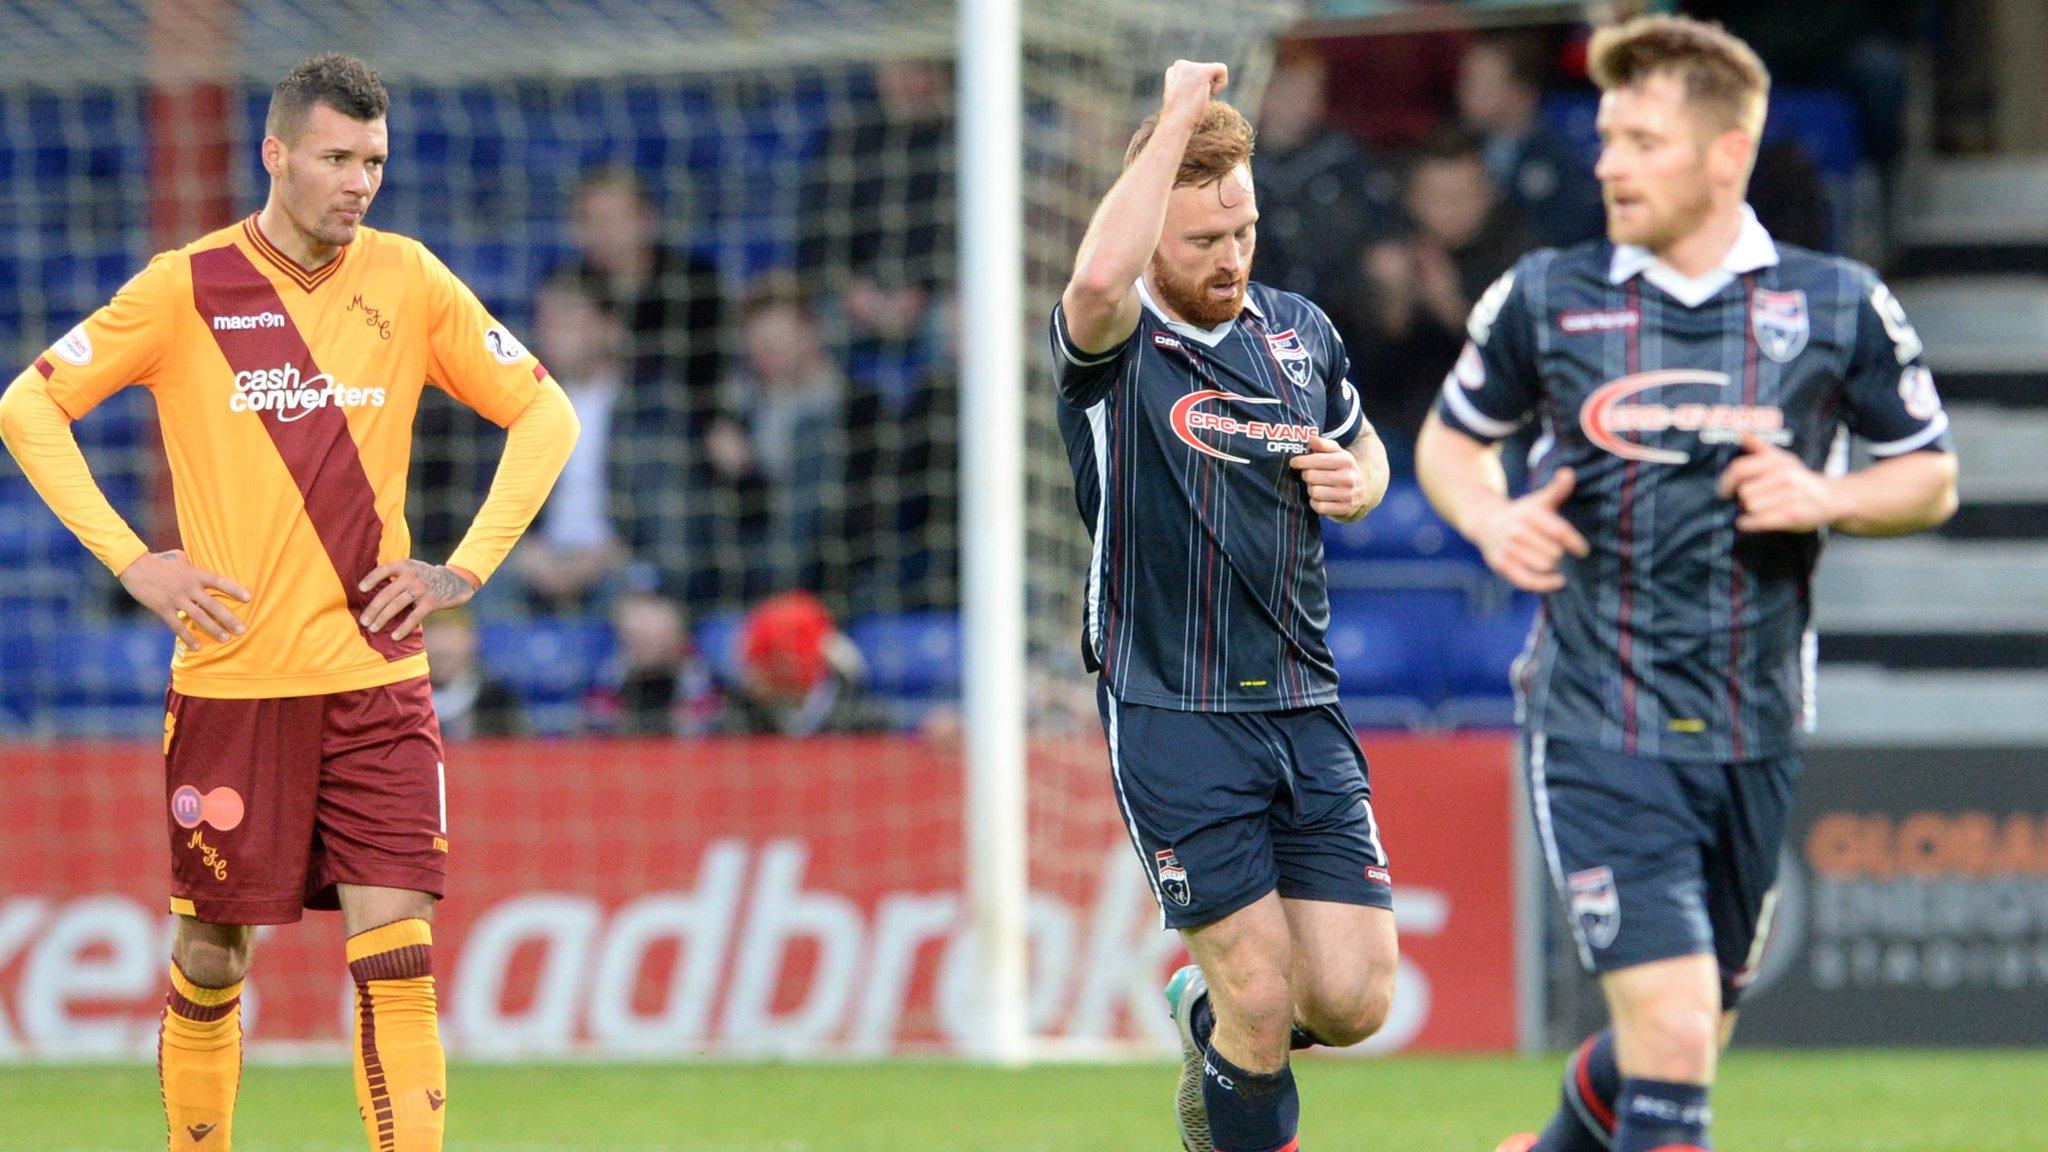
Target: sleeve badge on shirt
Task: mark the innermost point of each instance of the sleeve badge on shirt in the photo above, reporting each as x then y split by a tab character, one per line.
1291	354
505	347
1779	320
75	347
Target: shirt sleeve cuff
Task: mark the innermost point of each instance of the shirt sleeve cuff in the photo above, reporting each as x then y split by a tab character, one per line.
1459	412
1354	419
1064	340
1928	437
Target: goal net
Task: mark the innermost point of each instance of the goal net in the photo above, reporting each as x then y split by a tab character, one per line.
636	868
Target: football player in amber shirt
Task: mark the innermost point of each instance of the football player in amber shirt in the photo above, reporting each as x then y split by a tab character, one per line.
287	354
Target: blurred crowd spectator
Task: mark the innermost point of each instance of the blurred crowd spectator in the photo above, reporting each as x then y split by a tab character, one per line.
1464	234
797	674
672	306
469	701
1322	197
778	452
1500	94
574	548
788	468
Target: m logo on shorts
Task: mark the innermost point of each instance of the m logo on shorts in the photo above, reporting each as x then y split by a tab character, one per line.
221	807
1173	879
1596	906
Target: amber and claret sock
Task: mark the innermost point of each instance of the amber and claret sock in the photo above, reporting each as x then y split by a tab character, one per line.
401	1070
199	1061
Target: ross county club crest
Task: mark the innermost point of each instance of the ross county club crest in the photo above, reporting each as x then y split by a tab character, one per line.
1596	906
1779	321
1291	354
1173	879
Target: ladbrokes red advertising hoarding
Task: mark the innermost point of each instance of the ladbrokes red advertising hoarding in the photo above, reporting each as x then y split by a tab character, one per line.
725	897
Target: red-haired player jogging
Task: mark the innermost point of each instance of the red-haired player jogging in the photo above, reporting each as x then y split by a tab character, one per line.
1210	424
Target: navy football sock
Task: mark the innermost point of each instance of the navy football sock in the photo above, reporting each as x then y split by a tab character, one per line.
1250	1112
1202	1021
1660	1116
1585	1118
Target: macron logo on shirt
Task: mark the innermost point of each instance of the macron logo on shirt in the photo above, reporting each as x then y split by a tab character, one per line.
248	322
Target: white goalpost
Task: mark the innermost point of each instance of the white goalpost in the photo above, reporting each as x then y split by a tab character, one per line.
992	508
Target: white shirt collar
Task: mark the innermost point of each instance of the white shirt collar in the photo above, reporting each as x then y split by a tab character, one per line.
1753	249
1210	337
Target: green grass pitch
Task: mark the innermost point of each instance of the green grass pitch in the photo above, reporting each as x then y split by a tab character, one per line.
1795	1102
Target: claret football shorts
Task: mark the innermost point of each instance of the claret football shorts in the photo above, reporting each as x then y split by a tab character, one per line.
271	803
1224	807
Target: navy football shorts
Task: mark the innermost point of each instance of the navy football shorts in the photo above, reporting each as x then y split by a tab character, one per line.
1224	807
1661	858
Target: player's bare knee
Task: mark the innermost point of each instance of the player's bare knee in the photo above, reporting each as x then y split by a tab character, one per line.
364	907
1368	1013
1254	998
212	955
1352	1017
1674	1042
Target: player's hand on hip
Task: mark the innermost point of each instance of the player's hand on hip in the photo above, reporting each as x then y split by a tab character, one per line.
1189	87
1336	483
176	590
413	587
1525	540
1776	489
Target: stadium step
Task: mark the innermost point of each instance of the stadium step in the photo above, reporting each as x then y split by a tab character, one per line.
1933	603
1864	706
2002	447
2021	389
1980	324
2004	490
1932	585
1975	216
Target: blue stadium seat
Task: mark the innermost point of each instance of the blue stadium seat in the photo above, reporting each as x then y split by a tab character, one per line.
31	536
19	689
717	639
1482	647
112	269
916	654
1391	643
1572	113
121	422
1824	121
546	661
122	665
104	721
1403	527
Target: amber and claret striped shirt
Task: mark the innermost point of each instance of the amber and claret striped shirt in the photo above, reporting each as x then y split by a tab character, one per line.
286	398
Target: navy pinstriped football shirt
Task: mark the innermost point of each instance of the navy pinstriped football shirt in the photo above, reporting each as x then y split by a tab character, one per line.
1680	637
1205	588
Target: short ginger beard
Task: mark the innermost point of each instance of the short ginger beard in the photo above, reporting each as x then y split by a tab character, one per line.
1190	299
1660	235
